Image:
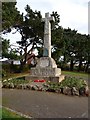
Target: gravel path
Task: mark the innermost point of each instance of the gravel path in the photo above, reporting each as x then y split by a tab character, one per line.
44	104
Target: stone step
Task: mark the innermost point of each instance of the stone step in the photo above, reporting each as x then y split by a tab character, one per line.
47	78
52	72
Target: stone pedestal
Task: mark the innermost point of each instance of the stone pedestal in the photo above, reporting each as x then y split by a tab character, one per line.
46	69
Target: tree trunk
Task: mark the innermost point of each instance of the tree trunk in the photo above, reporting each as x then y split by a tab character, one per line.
22	65
23	61
87	65
80	65
64	63
11	67
71	65
64	58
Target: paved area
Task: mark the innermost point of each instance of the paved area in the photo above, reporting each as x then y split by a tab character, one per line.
44	104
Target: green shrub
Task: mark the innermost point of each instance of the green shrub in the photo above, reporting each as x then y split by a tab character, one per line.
15	68
69	82
9	68
25	68
4	74
16	81
6	68
73	82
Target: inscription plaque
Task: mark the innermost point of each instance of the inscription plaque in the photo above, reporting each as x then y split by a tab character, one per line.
44	63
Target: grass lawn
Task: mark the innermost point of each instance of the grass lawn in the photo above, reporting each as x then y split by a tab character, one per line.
7	114
76	74
15	75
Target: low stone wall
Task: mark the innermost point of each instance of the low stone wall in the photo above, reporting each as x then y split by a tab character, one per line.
46	87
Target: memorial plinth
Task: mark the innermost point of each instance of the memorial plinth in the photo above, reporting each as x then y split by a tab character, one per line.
46	69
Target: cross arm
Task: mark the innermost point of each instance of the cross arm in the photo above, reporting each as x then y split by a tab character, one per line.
51	19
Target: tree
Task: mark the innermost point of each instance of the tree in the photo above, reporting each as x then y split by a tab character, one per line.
71	46
10	16
87	53
5	46
57	20
68	44
57	43
7	51
80	49
31	31
56	36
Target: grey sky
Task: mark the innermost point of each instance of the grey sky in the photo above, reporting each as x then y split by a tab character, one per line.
73	13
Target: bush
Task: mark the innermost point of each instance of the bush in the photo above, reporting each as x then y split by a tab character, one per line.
63	66
15	68
73	82
4	74
68	82
19	80
9	68
6	68
25	68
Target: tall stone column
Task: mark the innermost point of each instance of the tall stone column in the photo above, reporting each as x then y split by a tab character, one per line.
47	35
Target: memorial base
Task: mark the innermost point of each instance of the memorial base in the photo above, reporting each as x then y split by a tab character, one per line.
46	69
51	79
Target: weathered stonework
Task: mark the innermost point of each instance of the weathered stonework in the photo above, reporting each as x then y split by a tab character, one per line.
44	72
46	62
47	35
48	78
46	67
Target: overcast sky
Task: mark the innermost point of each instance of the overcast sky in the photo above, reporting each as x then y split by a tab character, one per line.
73	13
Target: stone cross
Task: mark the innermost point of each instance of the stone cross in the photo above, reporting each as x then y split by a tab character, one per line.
47	35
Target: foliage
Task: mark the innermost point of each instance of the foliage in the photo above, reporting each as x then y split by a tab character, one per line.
57	43
56	16
10	16
7	50
4	74
73	82
73	46
68	82
15	81
9	68
31	33
6	68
